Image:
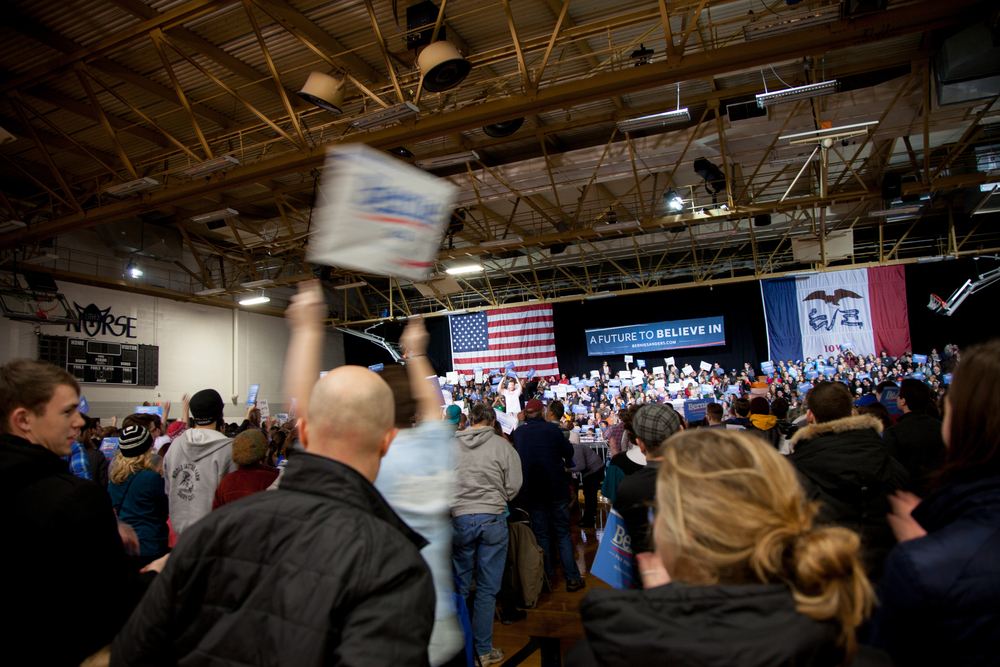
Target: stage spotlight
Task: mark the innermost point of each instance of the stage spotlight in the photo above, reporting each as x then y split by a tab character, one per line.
133	270
715	180
673	201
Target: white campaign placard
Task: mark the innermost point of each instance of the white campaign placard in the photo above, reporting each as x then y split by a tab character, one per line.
705	366
479	377
507	422
378	214
265	412
687	370
628	358
657	370
452	376
675	386
660	384
595	374
669	361
561	390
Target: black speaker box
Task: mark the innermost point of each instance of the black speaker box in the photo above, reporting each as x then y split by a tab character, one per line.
892	186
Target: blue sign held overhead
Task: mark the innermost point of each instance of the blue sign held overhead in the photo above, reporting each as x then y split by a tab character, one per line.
511	373
531	373
377	368
614	383
641	363
920	358
812	375
252	395
864	376
680	334
510	365
847	345
83	408
549	394
694	410
804	387
580	409
574	380
947	378
109	447
794	373
767	367
888	399
149	410
917	376
614	391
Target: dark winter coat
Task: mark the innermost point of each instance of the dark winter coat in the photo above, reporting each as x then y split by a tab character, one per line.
940	594
98	464
845	465
915	441
702	626
545	456
319	572
56	527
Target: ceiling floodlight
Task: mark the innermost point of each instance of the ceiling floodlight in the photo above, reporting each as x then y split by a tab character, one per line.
210	166
616	227
385	116
324	91
786	22
500	243
254	301
464	269
215	215
360	283
256	284
673	201
901	210
211	292
447	160
797	93
600	295
132	187
133	269
11	225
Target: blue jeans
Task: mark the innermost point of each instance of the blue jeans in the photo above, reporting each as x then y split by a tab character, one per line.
551	520
480	543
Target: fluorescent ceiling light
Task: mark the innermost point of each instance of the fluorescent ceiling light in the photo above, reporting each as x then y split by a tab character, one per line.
786	22
11	225
600	227
600	295
215	215
803	274
795	159
360	283
41	259
900	210
211	292
256	284
931	260
253	301
812	135
797	93
500	243
385	116
210	166
465	269
132	187
985	187
664	119
447	160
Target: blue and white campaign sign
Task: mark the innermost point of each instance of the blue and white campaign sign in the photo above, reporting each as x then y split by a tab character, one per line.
377	368
149	410
681	334
804	387
109	447
888	399
694	410
864	376
767	366
252	394
947	378
641	363
920	358
379	214
917	376
579	409
84	407
549	394
613	562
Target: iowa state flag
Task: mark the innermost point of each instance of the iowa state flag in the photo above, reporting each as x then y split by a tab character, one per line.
820	315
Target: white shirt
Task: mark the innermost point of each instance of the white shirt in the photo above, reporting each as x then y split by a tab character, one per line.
512	399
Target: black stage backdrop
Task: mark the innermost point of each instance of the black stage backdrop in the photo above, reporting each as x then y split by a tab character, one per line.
971	322
739	304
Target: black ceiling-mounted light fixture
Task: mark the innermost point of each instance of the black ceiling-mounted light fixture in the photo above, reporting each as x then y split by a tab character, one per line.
642	55
401	152
504	128
762	220
715	180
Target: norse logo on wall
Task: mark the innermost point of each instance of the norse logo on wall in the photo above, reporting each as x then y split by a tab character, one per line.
94	321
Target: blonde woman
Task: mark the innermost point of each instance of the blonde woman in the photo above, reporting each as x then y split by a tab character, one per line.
740	575
137	493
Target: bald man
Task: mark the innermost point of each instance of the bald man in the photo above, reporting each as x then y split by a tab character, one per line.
320	571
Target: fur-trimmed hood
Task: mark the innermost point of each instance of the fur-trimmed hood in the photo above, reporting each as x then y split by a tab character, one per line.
854	423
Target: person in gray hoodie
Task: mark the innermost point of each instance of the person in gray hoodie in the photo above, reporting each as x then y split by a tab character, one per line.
197	461
488	476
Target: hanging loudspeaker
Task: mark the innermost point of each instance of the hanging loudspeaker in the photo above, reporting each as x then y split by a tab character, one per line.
892	186
504	129
762	220
442	67
324	91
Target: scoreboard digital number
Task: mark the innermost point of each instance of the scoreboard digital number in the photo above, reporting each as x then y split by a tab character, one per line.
102	362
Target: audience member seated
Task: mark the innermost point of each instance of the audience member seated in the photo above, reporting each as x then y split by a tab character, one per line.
741	421
843	464
940	591
740	575
253	474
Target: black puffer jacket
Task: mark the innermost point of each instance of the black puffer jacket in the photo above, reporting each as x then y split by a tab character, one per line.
55	527
704	626
915	441
846	466
318	572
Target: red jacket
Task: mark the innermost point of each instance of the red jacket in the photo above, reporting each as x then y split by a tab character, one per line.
243	482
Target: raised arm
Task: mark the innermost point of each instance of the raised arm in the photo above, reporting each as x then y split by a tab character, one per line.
418	369
302	363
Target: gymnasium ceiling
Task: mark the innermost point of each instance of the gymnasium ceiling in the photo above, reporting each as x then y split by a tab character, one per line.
102	92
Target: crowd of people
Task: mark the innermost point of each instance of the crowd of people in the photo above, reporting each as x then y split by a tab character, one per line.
789	525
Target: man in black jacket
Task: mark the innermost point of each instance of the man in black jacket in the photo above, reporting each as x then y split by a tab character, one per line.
844	464
915	440
320	571
52	519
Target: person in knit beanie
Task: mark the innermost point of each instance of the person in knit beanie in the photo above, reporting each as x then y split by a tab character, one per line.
253	475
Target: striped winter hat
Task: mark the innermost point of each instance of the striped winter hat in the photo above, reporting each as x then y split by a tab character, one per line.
134	441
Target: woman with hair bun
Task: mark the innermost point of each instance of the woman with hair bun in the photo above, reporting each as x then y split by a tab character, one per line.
740	575
940	589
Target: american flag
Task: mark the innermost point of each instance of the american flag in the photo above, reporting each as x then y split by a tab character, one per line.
489	339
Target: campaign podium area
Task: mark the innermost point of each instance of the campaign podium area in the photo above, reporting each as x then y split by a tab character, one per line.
459	333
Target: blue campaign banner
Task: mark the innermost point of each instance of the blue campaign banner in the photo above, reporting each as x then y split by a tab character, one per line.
83	407
947	378
614	383
733	390
812	375
920	358
549	393
511	373
864	376
477	369
767	367
579	409
917	376
449	387
109	447
614	391
641	363
510	365
794	373
804	387
252	395
888	399
677	335
149	410
378	368
613	562
495	381
707	389
694	410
